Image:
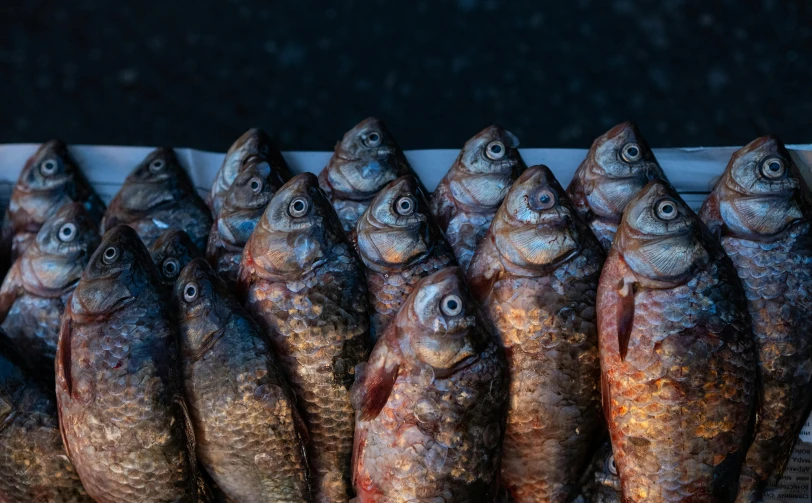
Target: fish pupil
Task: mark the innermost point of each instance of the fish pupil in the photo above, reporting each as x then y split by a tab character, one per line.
544	198
110	253
374	137
255	185
633	152
774	166
190	291
298	206
496	149
667	209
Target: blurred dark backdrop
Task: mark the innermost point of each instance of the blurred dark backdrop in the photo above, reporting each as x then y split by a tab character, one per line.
198	73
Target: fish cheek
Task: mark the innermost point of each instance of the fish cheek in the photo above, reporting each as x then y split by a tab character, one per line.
101	296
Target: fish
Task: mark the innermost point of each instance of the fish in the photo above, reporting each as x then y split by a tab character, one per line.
254	145
50	179
535	274
158	195
601	483
33	465
469	195
118	382
430	403
170	253
761	210
254	451
36	289
678	366
365	160
619	164
302	281
242	206
399	243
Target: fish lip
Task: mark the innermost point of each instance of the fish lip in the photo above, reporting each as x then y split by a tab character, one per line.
380	152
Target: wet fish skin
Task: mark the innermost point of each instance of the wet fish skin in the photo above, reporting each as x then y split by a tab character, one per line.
170	253
242	206
536	275
254	144
35	291
675	336
50	179
33	465
304	284
763	221
400	244
158	195
118	385
365	160
468	196
619	163
430	403
255	452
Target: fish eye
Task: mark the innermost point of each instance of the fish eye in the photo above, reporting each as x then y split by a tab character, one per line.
544	200
373	139
666	209
171	267
298	207
67	232
110	255
611	464
631	152
773	168
495	150
48	167
451	305
405	206
157	165
264	149
190	292
256	185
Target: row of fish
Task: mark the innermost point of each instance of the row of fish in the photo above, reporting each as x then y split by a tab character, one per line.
354	335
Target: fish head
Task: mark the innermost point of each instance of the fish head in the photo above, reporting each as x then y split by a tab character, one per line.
486	167
70	233
762	191
50	168
171	252
158	179
660	238
618	165
118	272
202	304
438	321
366	160
253	143
536	226
395	230
252	188
297	230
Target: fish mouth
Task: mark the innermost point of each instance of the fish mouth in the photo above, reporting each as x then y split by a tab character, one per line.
378	152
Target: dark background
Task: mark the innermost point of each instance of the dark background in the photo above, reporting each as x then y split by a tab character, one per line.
196	74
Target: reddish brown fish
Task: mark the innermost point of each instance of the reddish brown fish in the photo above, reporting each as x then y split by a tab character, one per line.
677	355
469	195
365	160
36	289
400	244
241	208
159	195
118	383
250	436
305	286
431	402
50	179
254	145
536	274
170	253
617	166
761	210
